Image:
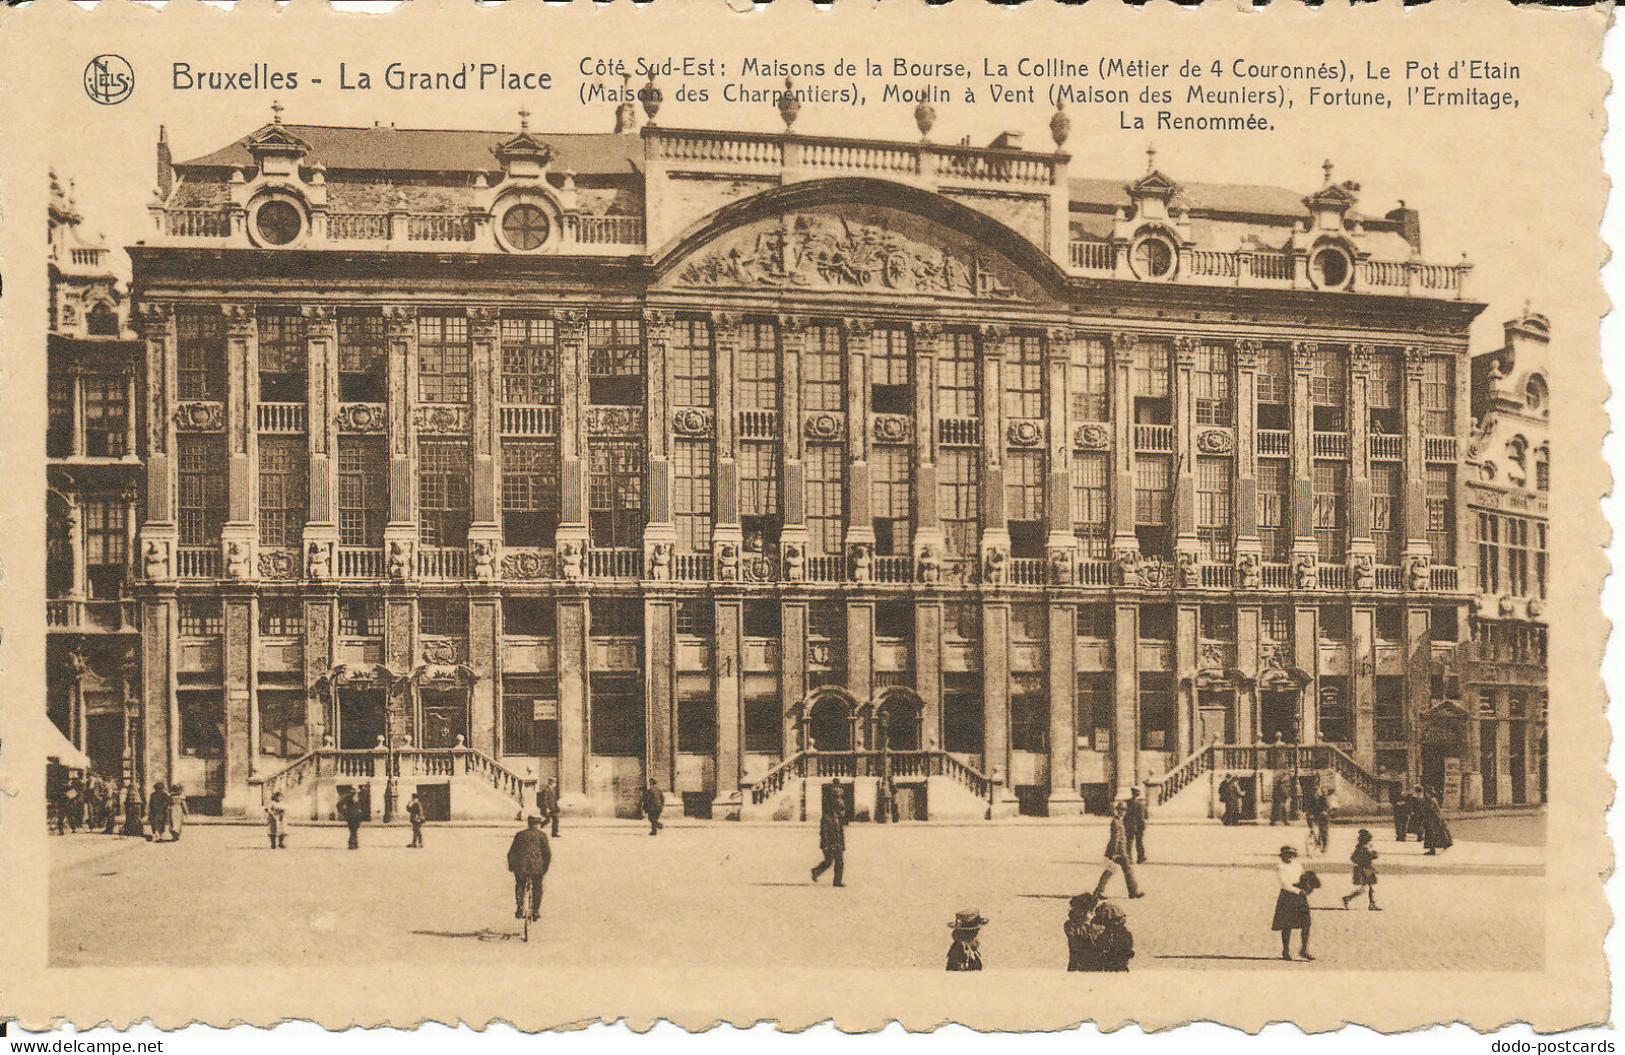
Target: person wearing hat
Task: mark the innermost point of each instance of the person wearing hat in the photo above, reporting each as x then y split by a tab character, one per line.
1292	902
158	811
1365	872
1117	852
1113	944
832	835
352	813
528	860
964	954
653	802
414	814
276	822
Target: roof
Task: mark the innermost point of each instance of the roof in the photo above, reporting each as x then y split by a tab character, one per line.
384	148
1218	197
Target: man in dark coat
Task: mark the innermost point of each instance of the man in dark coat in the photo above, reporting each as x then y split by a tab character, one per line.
134	811
1435	832
528	858
547	804
158	810
832	838
352	813
1134	824
654	801
1230	795
1117	852
1402	813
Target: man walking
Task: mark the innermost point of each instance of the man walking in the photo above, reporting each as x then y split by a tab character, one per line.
654	801
832	837
1402	812
547	803
414	814
528	859
352	813
1134	824
1117	852
276	822
158	811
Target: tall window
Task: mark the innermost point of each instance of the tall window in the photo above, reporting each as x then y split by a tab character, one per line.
1517	542
1089	380
1387	525
1329	390
59	415
959	491
1023	374
1097	709
957	394
107	416
617	720
281	615
443	617
1213	515
1029	713
1439	396
361	616
757	376
889	468
1540	559
962	713
530	707
1024	485
823	378
691	363
1330	484
445	493
825	465
1273	385
889	389
1274	487
1091	512
200	356
107	547
442	359
363	358
615	362
284	489
200	491
757	371
284	356
1489	553
530	491
363	490
1440	497
1153	502
691	494
1215	403
530	362
1385	395
1152	368
615	493
1158	721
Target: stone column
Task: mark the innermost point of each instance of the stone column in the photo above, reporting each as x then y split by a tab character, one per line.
927	655
1244	509
928	534
860	527
573	753
1125	543
1362	684
485	659
320	656
1187	550
485	427
726	530
995	519
237	676
1306	657
400	532
1359	495
1126	690
1302	511
996	704
158	333
660	683
401	656
792	667
1061	545
159	729
660	530
571	331
1415	513
860	649
1246	704
1187	618
1064	797
793	536
239	536
729	686
321	519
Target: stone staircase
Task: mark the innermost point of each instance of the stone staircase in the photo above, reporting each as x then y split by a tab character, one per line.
792	790
1188	789
480	786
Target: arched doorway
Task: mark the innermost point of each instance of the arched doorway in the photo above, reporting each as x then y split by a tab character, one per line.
897	721
829	723
1280	692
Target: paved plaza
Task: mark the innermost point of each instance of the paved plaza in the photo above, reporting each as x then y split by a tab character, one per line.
738	896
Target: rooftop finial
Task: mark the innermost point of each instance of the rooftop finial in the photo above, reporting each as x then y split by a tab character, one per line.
276	111
1151	158
1326	166
789	104
524	119
650	97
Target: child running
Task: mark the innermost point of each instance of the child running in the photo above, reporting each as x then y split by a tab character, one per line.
1365	872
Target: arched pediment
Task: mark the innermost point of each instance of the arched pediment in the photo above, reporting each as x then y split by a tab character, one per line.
859	236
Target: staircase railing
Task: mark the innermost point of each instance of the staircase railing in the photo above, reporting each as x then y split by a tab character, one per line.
978	783
289	777
772	782
1180	777
825	765
1351	772
505	780
369	763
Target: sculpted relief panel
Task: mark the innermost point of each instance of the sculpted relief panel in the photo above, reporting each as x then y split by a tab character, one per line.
856	247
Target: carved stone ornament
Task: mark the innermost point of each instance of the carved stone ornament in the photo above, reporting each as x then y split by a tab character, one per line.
237	558
361	417
484	553
1062	566
1416	573
1506	606
200	417
1304	570
1303	356
279	564
1190	568
794	556
727	557
1024	433
660	561
1128	566
1249	571
1092	437
824	426
527	565
893	428
441	651
401	321
994	562
571	556
1215	441
238	316
927	563
1535	608
1363	571
450	418
692	421
400	560
860	558
318	561
155	560
870	248
614	421
1247	353
1360	358
1157	575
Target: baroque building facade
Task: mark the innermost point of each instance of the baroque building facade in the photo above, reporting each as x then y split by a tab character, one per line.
738	462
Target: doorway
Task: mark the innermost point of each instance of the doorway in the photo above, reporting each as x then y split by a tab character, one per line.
829	724
1487	763
361	718
1278	713
435	800
445	717
1215	716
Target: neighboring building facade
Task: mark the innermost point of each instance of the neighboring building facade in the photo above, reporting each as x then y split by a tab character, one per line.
737	461
94	479
1509	475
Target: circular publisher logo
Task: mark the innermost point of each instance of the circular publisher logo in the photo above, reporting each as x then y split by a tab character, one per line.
109	79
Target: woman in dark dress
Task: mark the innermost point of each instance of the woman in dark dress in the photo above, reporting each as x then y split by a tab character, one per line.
1292	903
134	812
1435	832
1365	872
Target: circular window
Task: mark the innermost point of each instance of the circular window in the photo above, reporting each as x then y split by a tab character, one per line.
1153	257
1331	268
278	222
525	227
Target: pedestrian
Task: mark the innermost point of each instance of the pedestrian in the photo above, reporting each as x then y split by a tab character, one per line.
1117	853
1229	797
109	808
1134	824
73	805
1292	902
352	813
1365	872
1314	817
653	803
547	803
831	838
1435	832
158	811
276	821
1097	935
883	794
414	813
1415	820
965	954
1280	794
528	860
134	810
1402	811
177	811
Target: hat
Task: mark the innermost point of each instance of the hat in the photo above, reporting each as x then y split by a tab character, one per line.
276	796
1289	851
1084	902
1365	835
968	920
533	820
1107	912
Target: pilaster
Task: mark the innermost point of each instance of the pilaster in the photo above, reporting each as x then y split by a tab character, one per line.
1362	684
572	666
996	705
1126	696
485	659
659	650
571	332
729	690
1064	797
237	674
321	345
1124	540
660	530
1302	509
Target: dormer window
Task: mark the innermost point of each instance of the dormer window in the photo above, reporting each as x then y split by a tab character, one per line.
525	227
1153	256
1331	267
278	222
